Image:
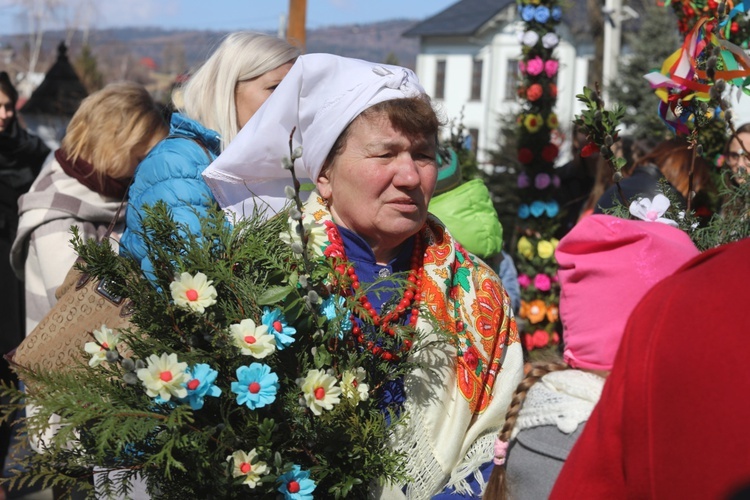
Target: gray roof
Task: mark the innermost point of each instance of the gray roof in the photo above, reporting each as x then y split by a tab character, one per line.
60	93
463	18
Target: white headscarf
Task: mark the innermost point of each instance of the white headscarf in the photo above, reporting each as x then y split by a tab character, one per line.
318	98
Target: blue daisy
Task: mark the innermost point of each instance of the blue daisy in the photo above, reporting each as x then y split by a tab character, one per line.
330	309
277	325
296	484
256	385
541	14
200	385
537	208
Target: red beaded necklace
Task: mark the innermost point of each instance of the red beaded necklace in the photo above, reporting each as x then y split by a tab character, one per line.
386	323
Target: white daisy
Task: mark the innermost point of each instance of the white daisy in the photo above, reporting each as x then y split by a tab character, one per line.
242	465
319	391
165	376
193	292
253	340
352	382
106	340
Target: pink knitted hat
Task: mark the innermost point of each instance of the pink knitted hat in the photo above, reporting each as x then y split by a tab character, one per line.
607	265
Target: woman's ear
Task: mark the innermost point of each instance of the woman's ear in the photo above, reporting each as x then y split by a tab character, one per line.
324	184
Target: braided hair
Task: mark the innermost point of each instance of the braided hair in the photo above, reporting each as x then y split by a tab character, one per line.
497	486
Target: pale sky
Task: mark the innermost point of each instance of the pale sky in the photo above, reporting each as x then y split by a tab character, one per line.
224	15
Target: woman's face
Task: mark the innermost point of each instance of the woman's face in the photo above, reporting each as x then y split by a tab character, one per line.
737	156
251	94
7	111
380	184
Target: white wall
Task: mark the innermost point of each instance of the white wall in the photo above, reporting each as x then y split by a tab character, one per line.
495	49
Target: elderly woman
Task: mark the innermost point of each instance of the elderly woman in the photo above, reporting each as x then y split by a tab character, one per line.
368	136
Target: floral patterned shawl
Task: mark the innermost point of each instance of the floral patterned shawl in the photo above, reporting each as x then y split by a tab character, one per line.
456	403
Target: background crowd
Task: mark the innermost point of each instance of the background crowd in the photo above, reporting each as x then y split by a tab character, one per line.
634	334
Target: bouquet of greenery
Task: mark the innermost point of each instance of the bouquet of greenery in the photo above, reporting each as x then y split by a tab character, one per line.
243	375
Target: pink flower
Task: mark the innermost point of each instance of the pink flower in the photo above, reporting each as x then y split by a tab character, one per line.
555	338
524	280
550	67
542	282
521	67
528	342
540	338
541	181
523	180
535	66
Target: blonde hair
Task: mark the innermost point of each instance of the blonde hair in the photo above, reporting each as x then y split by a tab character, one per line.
497	488
208	97
121	117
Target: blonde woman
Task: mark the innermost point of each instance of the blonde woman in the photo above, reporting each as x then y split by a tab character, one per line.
212	106
81	185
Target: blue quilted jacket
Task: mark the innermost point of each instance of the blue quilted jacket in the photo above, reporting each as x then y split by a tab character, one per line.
171	172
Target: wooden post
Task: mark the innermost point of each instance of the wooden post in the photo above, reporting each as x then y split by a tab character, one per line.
295	33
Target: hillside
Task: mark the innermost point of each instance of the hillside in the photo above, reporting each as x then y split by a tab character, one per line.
130	52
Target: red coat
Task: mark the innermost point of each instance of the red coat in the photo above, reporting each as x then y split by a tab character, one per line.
674	417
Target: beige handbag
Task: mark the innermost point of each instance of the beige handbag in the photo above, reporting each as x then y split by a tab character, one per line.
84	304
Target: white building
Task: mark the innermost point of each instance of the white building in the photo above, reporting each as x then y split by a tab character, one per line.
468	63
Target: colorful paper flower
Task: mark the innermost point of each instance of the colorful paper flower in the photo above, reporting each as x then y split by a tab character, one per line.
534	92
550	40
278	327
353	384
319	391
106	340
556	13
530	38
552	208
528	342
537	311
540	338
201	384
256	386
164	376
589	149
556	180
652	210
535	66
549	153
553	313
537	208
550	67
521	67
524	280
331	309
193	292
525	247
523	311
552	121
317	238
542	282
533	122
541	14
523	211
252	340
525	155
527	13
523	180
553	90
542	181
248	465
545	249
296	484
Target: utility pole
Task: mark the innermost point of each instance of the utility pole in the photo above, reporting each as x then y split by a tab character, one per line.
296	33
612	43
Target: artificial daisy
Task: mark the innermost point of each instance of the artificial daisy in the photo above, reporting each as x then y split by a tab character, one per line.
256	385
296	484
201	384
193	292
330	308
247	465
316	236
164	376
652	210
252	340
106	340
352	383
319	391
278	327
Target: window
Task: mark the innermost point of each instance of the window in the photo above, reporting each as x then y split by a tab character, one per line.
511	80
474	134
440	80
476	80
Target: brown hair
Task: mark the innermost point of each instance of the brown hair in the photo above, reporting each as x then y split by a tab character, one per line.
7	88
743	129
110	127
497	488
672	157
412	116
